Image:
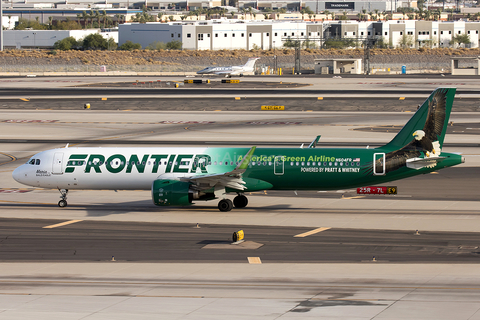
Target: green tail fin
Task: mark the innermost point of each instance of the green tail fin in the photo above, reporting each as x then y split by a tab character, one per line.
432	117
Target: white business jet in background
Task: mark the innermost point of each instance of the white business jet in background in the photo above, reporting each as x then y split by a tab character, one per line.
231	70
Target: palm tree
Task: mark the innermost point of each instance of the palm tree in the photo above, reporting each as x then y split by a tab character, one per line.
85	18
92	16
98	16
104	17
326	13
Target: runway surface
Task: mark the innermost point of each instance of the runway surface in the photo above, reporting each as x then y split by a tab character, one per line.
53	240
166	268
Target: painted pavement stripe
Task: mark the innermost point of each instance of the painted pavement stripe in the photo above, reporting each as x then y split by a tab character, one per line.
254	260
301	235
61	224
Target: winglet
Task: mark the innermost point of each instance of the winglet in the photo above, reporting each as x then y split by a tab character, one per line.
243	165
314	142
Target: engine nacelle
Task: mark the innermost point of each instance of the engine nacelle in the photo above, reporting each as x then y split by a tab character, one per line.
201	196
167	192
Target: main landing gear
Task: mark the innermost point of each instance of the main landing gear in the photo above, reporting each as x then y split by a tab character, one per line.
239	201
63	203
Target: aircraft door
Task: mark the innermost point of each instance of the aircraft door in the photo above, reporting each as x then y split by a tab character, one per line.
278	165
57	166
379	164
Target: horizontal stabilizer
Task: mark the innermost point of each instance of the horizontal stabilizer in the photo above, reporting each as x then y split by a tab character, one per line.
419	163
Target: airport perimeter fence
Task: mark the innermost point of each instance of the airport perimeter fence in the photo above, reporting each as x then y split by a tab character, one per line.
97	68
421	66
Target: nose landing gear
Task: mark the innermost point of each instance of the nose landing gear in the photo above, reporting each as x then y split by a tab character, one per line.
63	202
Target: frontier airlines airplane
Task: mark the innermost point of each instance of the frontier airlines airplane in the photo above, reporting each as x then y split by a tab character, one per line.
181	176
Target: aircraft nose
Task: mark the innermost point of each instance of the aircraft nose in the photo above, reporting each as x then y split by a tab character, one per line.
17	174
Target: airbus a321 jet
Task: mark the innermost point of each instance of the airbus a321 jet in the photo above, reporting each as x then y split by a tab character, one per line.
182	176
231	70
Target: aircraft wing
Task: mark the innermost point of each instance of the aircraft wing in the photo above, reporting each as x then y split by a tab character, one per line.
232	179
223	72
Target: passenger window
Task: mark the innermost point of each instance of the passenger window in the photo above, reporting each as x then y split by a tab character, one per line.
37	162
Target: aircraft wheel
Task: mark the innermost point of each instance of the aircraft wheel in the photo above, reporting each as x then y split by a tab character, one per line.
240	201
225	205
62	203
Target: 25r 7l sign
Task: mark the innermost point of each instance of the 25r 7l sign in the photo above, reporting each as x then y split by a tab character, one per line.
377	190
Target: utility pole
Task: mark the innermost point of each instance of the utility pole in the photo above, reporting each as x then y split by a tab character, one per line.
298	46
1	26
369	43
274	58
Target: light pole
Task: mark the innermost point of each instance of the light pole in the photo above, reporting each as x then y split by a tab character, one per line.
34	37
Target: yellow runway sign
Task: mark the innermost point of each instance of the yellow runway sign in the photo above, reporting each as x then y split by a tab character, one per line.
273	108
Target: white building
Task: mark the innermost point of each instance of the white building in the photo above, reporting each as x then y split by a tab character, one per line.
219	34
47	38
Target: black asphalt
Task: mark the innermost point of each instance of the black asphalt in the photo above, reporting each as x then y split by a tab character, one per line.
139	91
27	240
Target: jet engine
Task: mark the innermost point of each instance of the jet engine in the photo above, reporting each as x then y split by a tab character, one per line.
167	192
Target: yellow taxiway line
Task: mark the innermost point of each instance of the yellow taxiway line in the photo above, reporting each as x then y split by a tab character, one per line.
302	235
61	224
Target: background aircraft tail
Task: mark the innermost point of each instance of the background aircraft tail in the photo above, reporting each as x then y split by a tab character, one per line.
250	63
432	117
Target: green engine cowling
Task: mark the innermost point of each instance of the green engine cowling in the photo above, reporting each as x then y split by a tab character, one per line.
171	193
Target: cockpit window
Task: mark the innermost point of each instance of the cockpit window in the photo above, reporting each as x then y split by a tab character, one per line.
32	161
37	162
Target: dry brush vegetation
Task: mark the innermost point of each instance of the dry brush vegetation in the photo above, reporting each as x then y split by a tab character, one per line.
186	57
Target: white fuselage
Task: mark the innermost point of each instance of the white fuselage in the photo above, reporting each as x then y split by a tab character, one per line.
108	168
